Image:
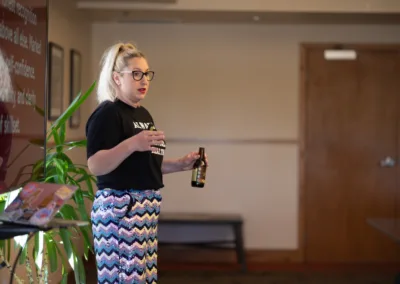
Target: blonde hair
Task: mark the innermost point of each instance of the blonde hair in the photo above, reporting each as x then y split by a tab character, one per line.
6	87
115	58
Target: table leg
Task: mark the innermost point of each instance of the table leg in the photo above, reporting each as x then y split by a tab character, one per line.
239	243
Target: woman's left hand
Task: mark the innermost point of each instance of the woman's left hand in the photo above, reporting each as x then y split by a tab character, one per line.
188	160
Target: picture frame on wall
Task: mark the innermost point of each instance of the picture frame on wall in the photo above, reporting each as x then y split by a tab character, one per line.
55	81
75	85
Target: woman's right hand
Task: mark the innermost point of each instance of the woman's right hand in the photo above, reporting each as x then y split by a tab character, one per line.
146	139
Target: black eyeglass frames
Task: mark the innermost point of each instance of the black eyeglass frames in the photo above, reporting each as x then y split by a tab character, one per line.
138	75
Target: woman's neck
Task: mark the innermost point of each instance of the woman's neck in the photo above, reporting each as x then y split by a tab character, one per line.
132	104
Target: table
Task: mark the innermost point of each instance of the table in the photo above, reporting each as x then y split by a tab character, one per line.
10	230
233	220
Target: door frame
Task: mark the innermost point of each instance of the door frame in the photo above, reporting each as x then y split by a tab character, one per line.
302	183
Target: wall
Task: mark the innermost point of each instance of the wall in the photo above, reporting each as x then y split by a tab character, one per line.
71	29
363	6
235	90
75	34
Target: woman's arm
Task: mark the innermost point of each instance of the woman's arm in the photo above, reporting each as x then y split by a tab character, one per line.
105	161
183	164
172	166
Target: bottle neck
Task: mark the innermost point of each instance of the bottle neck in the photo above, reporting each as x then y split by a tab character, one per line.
201	153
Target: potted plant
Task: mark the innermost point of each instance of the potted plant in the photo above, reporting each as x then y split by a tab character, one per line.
56	247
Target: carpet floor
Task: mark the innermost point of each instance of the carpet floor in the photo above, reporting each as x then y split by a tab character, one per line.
231	277
272	274
176	277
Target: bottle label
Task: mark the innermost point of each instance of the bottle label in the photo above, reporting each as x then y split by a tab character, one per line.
199	174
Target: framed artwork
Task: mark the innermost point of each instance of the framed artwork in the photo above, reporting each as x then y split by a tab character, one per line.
55	81
75	85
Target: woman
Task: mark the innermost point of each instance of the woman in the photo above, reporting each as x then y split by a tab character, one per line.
126	153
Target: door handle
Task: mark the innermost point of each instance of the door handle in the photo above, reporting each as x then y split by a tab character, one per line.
388	162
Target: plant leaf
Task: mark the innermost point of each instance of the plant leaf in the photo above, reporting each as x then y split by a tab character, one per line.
64	262
52	252
2	246
24	254
68	145
75	104
87	195
79	143
2	203
61	170
8	250
39	110
57	167
87	243
81	205
61	134
64	265
65	236
38	250
64	279
57	141
66	159
68	212
37	142
80	275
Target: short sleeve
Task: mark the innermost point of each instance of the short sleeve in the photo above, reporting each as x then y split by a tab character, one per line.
103	129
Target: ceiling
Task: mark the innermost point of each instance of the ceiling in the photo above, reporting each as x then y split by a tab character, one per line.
169	11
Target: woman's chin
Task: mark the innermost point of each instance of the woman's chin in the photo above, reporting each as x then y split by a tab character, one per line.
140	97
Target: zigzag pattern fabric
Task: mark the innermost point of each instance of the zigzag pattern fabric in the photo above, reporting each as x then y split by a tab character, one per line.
125	227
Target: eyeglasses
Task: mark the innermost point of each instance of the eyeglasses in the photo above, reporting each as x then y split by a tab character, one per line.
138	75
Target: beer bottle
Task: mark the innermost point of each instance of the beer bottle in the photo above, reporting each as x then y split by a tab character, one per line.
199	170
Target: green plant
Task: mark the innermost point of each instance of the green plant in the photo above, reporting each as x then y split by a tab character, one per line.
52	246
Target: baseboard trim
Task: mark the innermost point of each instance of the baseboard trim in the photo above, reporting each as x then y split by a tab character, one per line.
192	255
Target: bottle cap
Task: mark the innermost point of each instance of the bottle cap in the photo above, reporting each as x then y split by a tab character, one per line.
201	151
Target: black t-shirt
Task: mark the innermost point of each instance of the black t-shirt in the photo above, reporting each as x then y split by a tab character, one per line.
110	124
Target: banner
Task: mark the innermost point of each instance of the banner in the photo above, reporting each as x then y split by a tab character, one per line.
23	48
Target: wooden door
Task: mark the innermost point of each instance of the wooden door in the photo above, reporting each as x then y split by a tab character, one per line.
351	123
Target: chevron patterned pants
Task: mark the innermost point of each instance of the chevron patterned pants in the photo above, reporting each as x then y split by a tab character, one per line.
125	235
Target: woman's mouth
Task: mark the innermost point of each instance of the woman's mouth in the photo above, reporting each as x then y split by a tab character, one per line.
142	90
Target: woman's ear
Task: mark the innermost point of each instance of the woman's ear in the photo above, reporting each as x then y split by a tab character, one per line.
116	78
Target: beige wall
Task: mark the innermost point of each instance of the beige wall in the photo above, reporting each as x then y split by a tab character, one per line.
70	29
219	84
364	6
